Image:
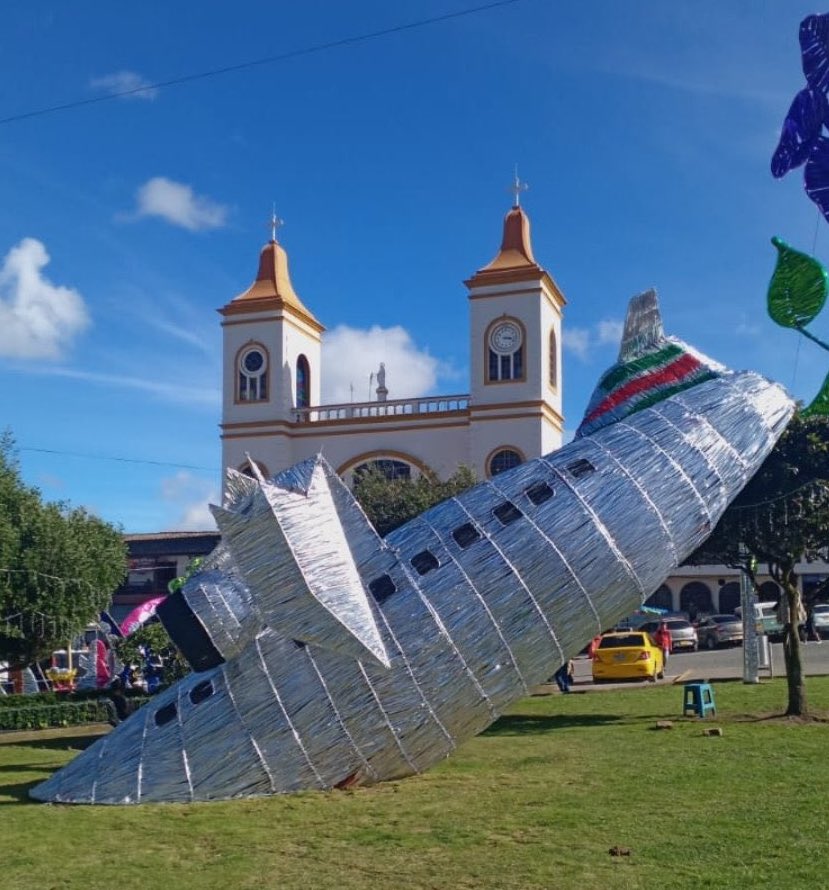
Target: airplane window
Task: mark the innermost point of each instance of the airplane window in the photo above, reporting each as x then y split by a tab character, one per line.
580	468
382	588
507	513
466	535
539	493
165	714
424	562
201	692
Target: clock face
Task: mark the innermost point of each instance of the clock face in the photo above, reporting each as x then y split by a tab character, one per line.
505	337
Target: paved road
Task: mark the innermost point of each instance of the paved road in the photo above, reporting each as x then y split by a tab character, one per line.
721	664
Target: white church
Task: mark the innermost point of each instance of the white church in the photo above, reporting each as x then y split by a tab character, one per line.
272	369
512	412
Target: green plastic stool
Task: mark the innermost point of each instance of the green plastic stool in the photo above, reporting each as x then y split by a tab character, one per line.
698	698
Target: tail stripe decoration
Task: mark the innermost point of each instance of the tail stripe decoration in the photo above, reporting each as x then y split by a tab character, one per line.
327	657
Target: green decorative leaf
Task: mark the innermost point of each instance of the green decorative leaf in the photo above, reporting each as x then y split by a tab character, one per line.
820	404
798	287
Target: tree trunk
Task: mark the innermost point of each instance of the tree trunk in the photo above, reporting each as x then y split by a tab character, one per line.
797	706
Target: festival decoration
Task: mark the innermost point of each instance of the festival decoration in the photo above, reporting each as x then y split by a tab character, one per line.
328	657
141	614
798	287
802	139
797	292
796	295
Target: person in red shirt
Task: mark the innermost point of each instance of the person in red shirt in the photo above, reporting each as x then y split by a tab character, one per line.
662	638
593	646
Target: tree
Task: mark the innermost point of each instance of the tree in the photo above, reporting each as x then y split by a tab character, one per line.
389	503
781	518
58	567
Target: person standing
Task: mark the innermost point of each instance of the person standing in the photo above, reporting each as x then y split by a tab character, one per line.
564	676
662	638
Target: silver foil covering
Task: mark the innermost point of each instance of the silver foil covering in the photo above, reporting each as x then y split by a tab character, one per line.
353	659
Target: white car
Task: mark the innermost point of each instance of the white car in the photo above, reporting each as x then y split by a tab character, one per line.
820	619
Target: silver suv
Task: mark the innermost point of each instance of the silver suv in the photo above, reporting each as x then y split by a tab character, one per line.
683	633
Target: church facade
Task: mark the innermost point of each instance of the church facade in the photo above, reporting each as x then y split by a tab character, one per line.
272	413
272	376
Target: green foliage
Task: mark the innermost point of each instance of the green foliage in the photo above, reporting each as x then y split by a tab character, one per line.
782	515
152	635
39	715
781	518
59	566
389	503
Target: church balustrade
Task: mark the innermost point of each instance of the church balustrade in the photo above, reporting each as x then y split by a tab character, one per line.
389	408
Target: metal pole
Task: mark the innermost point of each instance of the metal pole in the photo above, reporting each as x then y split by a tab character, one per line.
747	600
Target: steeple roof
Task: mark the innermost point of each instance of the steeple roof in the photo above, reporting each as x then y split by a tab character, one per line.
516	248
272	288
514	261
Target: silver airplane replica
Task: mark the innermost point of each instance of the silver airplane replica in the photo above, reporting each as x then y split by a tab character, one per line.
325	656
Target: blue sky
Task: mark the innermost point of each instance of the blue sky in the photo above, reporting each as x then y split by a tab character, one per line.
644	129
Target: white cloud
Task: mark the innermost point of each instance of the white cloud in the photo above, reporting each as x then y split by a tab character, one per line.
583	341
577	341
126	84
350	355
38	319
179	205
190	496
610	331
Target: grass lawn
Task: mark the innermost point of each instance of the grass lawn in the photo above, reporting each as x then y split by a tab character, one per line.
538	801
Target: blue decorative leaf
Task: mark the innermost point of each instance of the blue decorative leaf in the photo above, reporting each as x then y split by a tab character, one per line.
816	175
814	48
801	128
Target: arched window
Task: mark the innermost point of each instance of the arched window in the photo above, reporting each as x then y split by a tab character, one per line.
553	359
729	596
252	377
303	383
769	592
503	459
661	599
391	469
248	470
695	599
505	343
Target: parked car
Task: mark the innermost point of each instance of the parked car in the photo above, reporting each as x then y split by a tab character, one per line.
820	619
765	618
720	630
627	655
683	633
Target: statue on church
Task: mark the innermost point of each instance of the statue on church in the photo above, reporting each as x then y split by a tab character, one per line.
382	392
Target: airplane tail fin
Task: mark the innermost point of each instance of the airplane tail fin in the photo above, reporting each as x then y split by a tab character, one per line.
651	367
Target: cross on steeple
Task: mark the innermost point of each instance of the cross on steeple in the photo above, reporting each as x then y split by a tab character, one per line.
516	188
274	223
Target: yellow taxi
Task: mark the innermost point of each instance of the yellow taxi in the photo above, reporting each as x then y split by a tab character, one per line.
627	655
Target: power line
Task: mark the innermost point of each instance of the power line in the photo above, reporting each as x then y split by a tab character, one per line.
266	60
124	460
